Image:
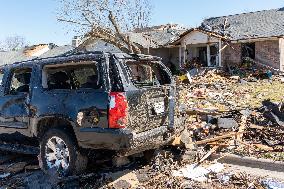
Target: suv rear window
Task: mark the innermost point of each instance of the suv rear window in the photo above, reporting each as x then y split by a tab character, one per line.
64	76
145	74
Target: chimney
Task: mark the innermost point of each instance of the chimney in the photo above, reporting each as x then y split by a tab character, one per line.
76	41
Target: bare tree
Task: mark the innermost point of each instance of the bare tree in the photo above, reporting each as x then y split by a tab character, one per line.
13	43
108	20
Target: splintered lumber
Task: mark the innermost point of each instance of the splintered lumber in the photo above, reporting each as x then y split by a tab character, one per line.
218	144
242	127
253	126
177	141
208	154
202	111
228	135
263	147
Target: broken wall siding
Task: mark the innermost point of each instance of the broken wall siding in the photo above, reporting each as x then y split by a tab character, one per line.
160	52
268	53
281	47
232	54
197	37
168	55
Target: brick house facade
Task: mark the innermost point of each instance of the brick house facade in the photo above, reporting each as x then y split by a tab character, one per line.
257	35
267	52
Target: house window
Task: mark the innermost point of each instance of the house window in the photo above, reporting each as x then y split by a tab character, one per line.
248	50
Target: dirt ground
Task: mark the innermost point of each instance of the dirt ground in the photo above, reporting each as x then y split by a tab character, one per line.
19	171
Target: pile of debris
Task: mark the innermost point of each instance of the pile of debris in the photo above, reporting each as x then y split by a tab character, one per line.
243	115
216	90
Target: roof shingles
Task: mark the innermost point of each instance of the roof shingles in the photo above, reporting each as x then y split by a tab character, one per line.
261	24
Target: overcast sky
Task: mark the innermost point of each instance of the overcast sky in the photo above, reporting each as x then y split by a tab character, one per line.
36	19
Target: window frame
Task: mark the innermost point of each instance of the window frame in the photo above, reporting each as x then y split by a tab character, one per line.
11	71
150	64
44	75
245	46
2	71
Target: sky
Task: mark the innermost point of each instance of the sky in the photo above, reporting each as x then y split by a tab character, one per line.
36	19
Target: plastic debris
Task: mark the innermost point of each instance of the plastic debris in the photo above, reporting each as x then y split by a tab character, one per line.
272	184
198	173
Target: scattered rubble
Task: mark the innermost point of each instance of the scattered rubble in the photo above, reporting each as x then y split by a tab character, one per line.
239	113
225	114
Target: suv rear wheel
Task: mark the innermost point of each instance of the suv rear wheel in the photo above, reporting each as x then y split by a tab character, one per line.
59	151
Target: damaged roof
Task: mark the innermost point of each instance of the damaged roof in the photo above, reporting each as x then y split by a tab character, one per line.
155	38
8	57
261	24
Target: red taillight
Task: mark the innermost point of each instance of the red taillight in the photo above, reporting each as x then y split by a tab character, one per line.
117	110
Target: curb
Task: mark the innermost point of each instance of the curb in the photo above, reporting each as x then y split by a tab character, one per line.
260	163
252	162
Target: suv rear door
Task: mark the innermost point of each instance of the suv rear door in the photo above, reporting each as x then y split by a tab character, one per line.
148	94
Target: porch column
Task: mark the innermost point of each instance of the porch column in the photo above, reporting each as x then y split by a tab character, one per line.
220	53
180	56
208	55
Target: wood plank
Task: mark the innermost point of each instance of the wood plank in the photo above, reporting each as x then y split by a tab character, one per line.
228	135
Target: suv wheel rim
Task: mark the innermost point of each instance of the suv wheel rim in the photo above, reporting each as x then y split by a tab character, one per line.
57	154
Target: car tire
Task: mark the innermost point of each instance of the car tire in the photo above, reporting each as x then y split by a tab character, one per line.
59	151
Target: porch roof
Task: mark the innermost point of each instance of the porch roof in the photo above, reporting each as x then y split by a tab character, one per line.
209	33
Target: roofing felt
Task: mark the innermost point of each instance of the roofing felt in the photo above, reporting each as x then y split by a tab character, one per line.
261	24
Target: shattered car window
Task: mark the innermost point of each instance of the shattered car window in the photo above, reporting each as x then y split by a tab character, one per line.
20	81
71	77
145	74
1	76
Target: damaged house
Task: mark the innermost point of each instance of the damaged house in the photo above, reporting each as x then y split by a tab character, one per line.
226	40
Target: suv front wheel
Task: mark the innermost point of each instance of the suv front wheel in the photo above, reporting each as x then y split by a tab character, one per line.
58	151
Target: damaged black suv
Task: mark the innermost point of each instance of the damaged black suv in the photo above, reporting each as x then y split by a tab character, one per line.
59	107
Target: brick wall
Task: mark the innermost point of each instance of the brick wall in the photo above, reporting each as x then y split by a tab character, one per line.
232	54
268	53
